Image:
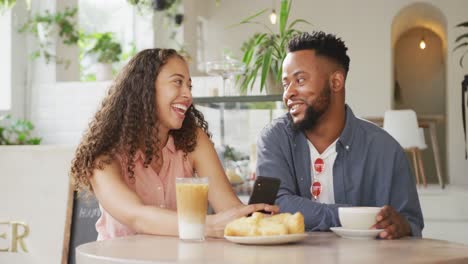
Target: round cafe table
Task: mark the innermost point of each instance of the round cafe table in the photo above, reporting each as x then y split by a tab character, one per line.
318	247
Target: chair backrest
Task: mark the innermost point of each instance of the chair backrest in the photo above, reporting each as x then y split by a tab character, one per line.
403	126
422	139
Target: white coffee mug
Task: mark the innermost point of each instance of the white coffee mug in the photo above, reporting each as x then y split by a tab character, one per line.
358	217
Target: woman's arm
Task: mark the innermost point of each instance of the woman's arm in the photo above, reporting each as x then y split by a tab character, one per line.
220	194
126	207
206	163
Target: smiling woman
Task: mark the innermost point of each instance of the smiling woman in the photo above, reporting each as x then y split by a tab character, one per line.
146	134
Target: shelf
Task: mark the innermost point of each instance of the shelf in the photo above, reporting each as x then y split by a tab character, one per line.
238	99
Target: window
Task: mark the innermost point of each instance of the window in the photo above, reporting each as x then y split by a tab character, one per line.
107	16
116	16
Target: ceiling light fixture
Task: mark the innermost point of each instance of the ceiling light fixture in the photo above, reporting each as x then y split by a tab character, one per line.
273	17
422	44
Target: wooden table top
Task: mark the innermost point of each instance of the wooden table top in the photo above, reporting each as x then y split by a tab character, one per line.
318	247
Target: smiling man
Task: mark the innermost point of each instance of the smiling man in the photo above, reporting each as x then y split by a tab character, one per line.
325	156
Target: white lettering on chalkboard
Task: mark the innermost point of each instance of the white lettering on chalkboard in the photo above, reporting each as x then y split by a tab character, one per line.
89	213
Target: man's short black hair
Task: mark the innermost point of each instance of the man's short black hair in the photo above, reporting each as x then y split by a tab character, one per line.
326	45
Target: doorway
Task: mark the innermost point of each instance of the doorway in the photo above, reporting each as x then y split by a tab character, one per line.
419	73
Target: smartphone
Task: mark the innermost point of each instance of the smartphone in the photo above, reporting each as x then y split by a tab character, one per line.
265	190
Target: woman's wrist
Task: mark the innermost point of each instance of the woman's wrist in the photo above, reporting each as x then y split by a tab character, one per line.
209	225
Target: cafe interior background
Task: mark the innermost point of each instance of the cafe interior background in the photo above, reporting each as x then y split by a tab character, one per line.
56	82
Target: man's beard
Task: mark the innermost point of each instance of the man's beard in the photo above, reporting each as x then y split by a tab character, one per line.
314	111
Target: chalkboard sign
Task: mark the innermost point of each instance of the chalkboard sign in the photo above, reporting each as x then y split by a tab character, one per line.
85	214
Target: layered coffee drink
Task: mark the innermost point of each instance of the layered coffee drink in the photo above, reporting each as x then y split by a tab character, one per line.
192	206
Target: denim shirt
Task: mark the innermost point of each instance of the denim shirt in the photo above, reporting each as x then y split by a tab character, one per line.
371	169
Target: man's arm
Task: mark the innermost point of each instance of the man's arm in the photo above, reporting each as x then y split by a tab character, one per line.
404	196
275	159
403	216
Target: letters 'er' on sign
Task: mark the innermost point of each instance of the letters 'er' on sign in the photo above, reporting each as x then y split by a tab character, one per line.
33	223
17	237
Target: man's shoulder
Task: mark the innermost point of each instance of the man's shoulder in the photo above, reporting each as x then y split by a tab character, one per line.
279	124
376	144
278	130
374	134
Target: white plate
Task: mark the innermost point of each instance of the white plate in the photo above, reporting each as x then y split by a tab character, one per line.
266	240
356	233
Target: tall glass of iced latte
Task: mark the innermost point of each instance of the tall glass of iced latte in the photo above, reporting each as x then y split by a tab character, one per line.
192	205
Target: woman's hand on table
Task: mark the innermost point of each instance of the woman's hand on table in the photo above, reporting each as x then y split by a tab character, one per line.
215	223
394	224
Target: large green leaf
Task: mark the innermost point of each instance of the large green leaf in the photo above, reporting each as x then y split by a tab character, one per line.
462	57
248	55
461	37
298	21
249	19
288	35
284	14
464	24
276	50
260	38
280	72
265	67
253	16
257	68
464	44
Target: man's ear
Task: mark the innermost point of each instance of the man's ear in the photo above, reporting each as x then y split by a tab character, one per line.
337	81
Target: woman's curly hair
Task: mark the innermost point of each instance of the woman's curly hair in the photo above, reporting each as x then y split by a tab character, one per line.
127	120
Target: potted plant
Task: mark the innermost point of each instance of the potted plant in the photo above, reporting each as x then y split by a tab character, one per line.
264	52
44	27
462	43
161	5
6	5
107	50
17	132
153	5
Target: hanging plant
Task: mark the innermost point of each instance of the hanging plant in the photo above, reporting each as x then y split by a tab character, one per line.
178	19
43	26
153	5
6	5
462	42
107	49
161	5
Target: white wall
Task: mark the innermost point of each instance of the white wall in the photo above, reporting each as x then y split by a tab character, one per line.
19	55
13	62
365	25
62	111
5	61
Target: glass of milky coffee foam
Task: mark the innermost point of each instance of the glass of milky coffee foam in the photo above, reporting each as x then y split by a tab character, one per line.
192	205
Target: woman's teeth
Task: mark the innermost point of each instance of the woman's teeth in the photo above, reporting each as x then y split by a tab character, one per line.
180	106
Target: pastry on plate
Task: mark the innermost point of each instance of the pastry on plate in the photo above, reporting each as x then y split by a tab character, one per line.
263	225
